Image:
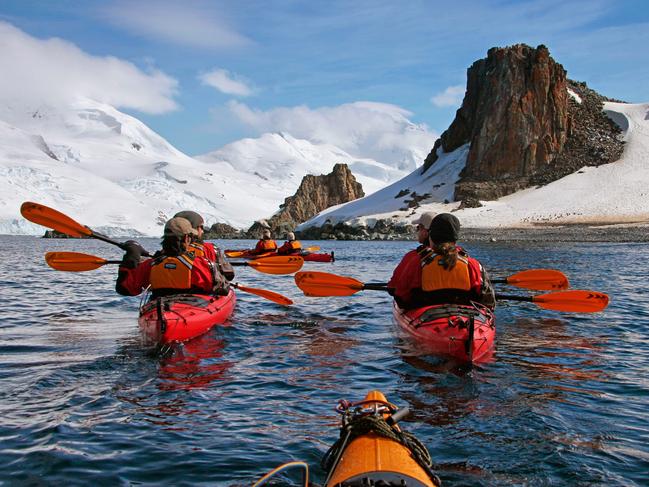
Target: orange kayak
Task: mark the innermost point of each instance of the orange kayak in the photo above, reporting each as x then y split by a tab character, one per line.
372	449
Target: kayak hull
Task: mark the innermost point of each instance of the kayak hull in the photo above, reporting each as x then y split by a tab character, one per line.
371	458
317	257
184	316
465	333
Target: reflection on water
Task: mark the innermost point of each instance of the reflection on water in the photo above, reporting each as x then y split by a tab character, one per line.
194	364
563	401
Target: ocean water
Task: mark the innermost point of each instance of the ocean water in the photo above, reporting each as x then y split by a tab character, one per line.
565	400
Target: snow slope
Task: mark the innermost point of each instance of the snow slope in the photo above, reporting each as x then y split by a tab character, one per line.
111	172
612	193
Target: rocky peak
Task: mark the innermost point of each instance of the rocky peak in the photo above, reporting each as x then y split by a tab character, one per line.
520	122
316	193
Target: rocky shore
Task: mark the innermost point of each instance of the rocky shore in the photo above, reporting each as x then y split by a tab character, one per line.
571	233
546	233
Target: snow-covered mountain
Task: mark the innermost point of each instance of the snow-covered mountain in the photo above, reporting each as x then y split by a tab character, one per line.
108	170
612	193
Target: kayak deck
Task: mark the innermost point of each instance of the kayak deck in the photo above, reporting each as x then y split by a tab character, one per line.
181	317
466	333
377	453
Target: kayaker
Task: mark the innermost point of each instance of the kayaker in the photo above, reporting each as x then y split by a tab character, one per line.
444	272
206	249
291	246
174	270
265	245
412	258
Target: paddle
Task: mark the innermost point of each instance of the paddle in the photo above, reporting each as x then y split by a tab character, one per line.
50	218
270	295
78	262
537	279
321	284
324	284
235	253
571	301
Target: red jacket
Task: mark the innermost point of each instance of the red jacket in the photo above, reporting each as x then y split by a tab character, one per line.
405	284
131	282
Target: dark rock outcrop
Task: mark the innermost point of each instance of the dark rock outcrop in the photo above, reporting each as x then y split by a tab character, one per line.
522	125
222	230
316	193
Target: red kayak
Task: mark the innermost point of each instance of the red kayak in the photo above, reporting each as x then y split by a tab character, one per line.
181	317
313	257
466	333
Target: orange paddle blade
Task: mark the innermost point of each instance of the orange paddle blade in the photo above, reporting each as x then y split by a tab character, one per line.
539	279
573	301
280	264
50	218
235	253
320	284
313	248
270	295
73	261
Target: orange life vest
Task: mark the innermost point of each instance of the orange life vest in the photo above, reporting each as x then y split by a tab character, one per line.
434	277
268	245
172	272
295	245
197	248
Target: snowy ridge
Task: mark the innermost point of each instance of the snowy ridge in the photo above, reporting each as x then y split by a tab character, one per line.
612	193
108	170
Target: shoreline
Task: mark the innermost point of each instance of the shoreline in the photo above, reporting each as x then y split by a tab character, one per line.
614	232
572	233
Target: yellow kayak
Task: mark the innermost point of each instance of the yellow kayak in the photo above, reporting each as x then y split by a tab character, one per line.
371	450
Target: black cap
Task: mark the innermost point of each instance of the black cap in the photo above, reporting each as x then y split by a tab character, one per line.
444	228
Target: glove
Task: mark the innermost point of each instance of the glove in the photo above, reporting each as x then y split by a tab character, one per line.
133	254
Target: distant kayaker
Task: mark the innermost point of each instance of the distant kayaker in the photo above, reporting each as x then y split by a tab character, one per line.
443	272
206	249
175	269
291	246
265	245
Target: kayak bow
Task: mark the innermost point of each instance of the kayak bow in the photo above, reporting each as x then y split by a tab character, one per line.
372	450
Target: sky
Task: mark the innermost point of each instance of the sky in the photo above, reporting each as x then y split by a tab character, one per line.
206	73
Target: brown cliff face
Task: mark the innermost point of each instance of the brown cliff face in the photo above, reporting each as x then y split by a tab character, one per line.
316	193
518	118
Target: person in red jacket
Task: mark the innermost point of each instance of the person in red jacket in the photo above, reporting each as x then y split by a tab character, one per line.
206	249
266	244
173	270
411	258
444	272
291	246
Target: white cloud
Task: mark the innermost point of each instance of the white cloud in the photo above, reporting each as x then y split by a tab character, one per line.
450	97
56	71
363	129
225	82
188	23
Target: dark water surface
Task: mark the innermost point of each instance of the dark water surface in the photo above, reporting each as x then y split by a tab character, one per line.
565	402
